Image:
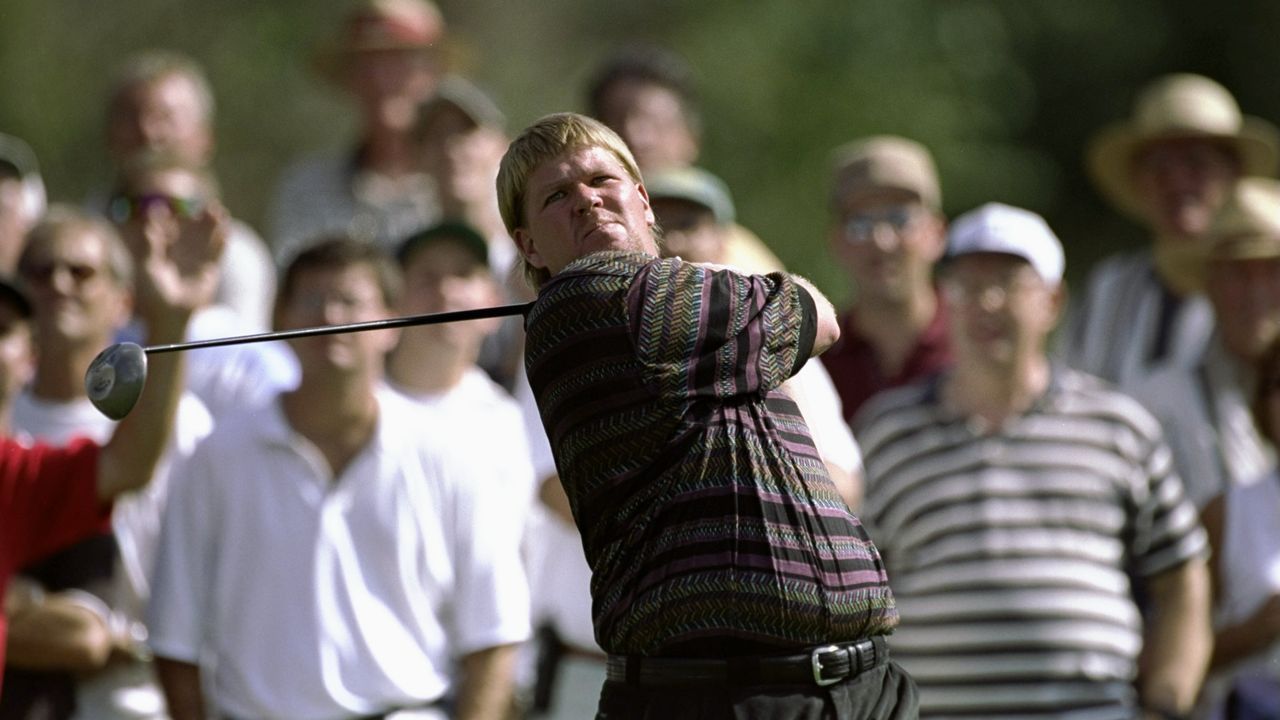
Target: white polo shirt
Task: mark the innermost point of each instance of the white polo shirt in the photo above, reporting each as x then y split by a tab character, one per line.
316	596
489	426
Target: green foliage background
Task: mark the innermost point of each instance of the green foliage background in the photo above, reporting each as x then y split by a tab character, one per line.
1006	92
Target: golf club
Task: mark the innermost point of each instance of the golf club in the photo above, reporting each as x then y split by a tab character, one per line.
116	376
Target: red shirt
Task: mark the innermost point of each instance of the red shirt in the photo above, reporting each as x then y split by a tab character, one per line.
48	500
855	368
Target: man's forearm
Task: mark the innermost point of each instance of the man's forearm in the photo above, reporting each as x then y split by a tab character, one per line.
182	688
130	458
1179	638
57	633
552	495
488	677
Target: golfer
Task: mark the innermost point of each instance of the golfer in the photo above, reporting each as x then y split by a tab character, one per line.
729	579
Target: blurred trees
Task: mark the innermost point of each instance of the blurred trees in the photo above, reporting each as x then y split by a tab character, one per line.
1006	92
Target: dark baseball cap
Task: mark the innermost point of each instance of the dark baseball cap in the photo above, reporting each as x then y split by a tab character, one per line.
459	233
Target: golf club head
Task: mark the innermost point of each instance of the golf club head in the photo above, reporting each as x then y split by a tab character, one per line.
115	378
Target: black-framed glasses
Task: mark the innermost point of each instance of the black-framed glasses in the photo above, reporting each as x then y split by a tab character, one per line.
126	207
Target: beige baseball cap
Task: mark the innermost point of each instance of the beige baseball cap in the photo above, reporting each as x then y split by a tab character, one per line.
884	161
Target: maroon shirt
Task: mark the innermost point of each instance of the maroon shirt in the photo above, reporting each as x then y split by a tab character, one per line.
856	371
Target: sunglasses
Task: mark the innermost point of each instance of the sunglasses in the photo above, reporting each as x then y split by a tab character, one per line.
127	207
42	273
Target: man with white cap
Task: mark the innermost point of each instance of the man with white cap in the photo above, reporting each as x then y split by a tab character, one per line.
1169	167
386	59
887	232
1204	407
1020	506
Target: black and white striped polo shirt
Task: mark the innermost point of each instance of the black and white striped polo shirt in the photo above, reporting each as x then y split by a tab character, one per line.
1011	553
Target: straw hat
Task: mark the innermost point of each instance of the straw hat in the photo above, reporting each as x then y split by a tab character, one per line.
1248	225
1175	107
373	25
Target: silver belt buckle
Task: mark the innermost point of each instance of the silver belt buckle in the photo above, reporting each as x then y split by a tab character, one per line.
816	662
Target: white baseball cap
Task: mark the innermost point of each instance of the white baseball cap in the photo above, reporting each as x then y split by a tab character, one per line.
1000	228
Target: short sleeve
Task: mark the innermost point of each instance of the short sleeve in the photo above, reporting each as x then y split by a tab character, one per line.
702	332
491	591
1167	531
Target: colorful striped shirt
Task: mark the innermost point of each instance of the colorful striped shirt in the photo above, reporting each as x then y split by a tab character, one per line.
1012	552
706	514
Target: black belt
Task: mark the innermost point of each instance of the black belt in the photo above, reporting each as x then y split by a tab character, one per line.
823	665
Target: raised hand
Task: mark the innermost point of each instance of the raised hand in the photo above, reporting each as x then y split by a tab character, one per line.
176	258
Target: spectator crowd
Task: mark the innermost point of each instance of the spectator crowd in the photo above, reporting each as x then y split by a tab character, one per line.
1075	494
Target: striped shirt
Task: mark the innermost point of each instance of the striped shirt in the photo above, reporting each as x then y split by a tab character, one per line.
706	514
1128	321
1012	553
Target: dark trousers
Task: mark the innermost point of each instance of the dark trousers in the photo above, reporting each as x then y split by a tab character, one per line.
882	693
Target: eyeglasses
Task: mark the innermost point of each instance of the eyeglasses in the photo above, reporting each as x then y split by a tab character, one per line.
861	227
126	207
990	292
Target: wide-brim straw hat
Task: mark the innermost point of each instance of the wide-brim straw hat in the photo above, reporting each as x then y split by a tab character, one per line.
1178	107
374	25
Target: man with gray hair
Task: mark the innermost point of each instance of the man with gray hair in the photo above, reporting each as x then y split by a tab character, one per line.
728	577
161	102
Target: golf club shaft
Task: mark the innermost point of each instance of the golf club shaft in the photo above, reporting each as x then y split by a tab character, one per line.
387	324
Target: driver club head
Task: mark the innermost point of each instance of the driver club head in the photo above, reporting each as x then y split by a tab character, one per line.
115	378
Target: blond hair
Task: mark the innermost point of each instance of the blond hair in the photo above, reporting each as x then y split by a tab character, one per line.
547	139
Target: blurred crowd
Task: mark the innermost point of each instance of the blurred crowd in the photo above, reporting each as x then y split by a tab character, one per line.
371	524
